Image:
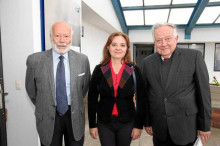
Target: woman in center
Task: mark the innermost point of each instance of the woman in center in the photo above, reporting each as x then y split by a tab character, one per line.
111	108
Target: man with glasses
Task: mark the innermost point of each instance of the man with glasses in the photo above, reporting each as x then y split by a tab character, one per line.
178	106
56	82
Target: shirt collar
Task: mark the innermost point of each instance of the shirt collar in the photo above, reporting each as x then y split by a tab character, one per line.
163	58
56	55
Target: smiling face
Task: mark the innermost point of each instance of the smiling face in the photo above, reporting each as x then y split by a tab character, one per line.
61	37
165	41
118	47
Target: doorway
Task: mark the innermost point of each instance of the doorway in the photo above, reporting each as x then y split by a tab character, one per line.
141	51
3	136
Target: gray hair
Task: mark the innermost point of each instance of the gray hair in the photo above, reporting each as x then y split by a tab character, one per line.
157	25
51	30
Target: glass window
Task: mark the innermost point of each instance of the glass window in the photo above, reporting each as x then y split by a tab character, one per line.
209	15
134	17
184	1
217	58
199	47
156	2
185	14
129	3
218	20
155	16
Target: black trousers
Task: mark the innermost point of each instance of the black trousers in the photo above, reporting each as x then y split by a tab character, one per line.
115	133
63	127
168	142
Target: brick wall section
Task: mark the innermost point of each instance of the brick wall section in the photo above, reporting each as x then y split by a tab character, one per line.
215	118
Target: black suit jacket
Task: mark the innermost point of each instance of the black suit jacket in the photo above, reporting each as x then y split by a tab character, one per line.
101	85
183	106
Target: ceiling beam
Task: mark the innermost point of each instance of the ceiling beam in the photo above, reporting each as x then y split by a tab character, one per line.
210	4
158	7
148	27
118	10
200	6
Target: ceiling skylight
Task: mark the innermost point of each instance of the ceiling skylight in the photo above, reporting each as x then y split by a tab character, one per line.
156	2
154	16
134	17
184	1
209	15
180	16
129	3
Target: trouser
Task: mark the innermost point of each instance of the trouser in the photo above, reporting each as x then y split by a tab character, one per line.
115	133
63	127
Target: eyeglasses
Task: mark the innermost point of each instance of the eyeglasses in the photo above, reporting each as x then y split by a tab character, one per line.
59	36
167	40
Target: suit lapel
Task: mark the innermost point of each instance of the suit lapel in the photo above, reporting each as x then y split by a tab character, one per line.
125	75
158	69
173	68
49	64
73	70
106	70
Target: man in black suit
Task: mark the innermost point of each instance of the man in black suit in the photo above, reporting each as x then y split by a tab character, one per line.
178	92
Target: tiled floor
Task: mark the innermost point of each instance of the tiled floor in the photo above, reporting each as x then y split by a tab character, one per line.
146	140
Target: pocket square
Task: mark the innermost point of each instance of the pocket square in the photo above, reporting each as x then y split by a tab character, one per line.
81	74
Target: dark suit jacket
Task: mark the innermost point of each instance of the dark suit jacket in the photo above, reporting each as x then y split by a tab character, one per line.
101	84
41	90
183	106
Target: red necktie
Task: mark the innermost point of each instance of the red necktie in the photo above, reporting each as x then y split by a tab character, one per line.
166	59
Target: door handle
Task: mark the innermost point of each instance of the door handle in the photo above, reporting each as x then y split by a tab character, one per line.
5	93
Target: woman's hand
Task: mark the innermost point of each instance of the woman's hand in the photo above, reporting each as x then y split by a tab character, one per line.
93	132
136	133
149	130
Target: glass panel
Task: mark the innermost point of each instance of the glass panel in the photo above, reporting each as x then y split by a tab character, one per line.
218	20
180	16
154	16
209	15
217	58
199	47
184	1
134	17
214	0
129	3
183	46
156	2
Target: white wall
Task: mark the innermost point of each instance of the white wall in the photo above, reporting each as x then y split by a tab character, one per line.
19	32
98	21
104	9
209	36
93	42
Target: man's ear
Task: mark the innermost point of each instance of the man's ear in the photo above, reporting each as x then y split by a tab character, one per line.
177	37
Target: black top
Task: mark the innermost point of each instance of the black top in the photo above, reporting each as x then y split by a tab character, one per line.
101	84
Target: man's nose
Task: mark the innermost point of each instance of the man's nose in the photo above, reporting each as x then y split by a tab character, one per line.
163	42
61	38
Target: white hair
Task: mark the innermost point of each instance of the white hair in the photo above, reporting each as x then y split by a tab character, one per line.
157	25
51	30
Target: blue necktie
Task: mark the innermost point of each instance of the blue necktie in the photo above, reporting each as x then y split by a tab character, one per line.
61	96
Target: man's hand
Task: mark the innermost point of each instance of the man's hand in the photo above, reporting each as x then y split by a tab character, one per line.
204	136
149	130
136	133
93	132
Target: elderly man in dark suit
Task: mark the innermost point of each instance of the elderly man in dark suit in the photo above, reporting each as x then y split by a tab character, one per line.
178	92
56	82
